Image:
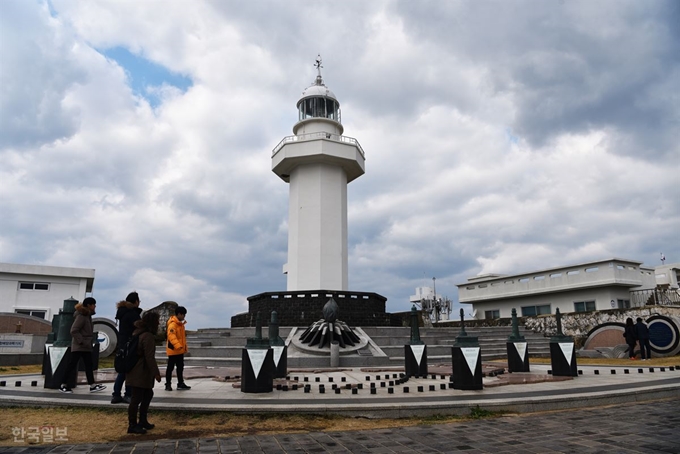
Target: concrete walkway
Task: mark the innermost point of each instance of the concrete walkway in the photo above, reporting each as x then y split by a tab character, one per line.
640	427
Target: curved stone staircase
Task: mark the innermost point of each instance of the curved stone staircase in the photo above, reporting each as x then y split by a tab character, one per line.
222	347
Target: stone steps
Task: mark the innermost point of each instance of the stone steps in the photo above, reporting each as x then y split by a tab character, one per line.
224	347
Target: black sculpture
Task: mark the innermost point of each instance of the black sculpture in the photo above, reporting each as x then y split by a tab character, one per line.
329	329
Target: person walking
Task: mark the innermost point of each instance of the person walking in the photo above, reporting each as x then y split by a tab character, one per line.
127	314
630	334
81	347
176	348
141	377
643	337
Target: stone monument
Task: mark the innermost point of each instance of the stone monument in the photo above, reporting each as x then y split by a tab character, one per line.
257	363
562	352
517	348
415	353
466	359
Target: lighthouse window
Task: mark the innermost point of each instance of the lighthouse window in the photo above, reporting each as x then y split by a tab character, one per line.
319	108
331	109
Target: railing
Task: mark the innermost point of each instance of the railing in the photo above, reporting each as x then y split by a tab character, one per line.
657	296
317	136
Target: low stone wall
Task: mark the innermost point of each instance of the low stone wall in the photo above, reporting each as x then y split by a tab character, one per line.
304	308
21	349
579	324
29	324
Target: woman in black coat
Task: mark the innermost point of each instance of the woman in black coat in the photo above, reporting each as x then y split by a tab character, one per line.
631	337
141	377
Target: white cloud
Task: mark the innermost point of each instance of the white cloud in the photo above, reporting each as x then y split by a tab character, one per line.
498	139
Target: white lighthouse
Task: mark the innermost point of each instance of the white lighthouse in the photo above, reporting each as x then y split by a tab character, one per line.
318	162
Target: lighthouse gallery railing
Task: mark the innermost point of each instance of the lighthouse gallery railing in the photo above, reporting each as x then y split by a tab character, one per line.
317	136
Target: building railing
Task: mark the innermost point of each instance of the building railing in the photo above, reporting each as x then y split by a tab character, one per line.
657	296
317	136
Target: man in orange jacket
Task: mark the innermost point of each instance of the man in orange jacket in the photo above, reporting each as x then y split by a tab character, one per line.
176	348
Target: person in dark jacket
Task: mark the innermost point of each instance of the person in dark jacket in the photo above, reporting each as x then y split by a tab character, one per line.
82	333
631	337
141	377
643	337
127	314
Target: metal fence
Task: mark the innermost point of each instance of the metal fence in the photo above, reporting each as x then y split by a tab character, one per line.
317	136
657	296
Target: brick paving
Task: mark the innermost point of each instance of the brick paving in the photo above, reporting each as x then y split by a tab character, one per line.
651	427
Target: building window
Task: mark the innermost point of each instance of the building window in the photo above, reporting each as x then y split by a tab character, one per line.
529	311
623	304
33	286
32	313
584	306
489	315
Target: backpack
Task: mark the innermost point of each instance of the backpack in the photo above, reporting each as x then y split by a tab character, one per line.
126	356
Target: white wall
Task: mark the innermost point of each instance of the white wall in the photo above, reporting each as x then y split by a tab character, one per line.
64	283
317	228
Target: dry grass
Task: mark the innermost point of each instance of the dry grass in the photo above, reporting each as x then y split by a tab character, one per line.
93	425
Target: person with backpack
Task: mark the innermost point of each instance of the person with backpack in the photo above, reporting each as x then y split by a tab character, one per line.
643	338
141	377
176	348
82	334
127	314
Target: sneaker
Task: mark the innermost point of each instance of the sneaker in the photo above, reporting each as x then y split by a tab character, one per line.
117	399
147	425
65	389
126	399
136	429
183	387
168	387
96	388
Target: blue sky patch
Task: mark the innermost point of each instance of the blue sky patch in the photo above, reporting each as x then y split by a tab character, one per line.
143	73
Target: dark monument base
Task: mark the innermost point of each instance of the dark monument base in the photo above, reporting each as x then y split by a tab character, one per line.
563	366
415	360
302	308
55	374
257	373
463	376
280	365
517	362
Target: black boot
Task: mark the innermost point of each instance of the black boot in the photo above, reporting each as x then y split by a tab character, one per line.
144	421
168	387
136	429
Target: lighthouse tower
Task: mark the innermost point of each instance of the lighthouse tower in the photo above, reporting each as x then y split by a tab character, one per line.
317	162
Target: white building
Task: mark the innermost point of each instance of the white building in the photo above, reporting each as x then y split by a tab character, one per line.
668	275
597	285
40	290
318	162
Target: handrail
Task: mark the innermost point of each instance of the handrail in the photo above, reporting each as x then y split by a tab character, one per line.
316	136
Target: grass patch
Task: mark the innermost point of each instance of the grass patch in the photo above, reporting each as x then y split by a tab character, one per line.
480	413
111	423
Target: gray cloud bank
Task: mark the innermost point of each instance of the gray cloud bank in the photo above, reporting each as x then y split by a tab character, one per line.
500	137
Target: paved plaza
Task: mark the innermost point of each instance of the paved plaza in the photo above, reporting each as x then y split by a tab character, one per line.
648	427
605	409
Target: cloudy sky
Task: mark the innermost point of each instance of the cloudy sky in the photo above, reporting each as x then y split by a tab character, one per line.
500	137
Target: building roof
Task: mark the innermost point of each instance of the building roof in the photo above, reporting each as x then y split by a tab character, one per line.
493	276
46	270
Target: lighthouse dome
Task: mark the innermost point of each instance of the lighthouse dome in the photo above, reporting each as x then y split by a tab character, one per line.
318	90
